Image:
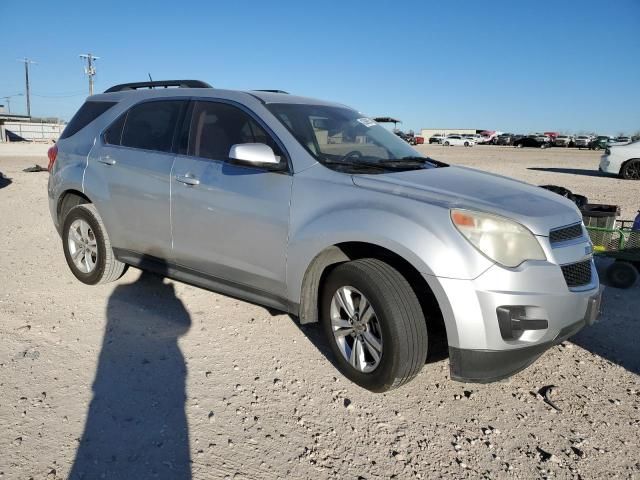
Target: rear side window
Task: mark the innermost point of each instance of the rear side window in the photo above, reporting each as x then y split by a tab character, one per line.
150	125
83	117
113	135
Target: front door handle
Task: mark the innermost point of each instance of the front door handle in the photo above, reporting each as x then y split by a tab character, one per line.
187	180
107	160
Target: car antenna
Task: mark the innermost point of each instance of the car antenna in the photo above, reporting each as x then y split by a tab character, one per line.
150	79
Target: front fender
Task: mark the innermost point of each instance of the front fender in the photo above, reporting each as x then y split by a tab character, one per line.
325	215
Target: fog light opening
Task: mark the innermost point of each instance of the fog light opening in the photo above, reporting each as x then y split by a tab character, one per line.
513	322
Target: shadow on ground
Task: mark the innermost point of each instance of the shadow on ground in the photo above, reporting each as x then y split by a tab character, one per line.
617	335
571	171
136	426
4	181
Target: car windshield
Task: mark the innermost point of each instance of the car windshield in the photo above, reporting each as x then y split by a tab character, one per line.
341	137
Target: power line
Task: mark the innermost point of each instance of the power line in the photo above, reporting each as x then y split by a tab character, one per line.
65	95
90	69
27	62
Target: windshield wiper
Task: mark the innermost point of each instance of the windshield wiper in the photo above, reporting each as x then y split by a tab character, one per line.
356	164
416	159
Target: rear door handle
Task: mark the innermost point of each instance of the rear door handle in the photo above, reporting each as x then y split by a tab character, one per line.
187	180
107	160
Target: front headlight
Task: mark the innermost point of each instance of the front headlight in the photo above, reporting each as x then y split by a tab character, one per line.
502	240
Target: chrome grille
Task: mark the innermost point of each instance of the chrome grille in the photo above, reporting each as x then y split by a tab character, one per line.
566	233
577	274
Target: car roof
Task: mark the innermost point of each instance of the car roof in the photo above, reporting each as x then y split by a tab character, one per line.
239	95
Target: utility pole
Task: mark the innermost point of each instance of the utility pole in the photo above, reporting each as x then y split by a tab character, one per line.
90	69
27	62
8	99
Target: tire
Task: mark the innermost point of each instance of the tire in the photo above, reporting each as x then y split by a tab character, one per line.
622	274
631	170
466	144
519	145
98	262
446	144
397	321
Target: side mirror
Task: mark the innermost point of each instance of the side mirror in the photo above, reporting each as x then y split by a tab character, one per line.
256	154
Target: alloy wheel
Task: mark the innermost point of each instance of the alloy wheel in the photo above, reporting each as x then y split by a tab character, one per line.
632	170
356	329
83	246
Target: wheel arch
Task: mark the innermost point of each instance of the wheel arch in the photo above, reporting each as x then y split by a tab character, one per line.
69	199
334	255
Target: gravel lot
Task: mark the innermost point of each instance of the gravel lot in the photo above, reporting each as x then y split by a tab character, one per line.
146	378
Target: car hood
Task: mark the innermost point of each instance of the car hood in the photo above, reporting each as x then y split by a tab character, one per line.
459	187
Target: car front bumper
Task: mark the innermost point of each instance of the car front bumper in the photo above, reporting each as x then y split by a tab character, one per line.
479	348
484	366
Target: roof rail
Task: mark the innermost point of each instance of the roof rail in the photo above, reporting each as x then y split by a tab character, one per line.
159	84
272	91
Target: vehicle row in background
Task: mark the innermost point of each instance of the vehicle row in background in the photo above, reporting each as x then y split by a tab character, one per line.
537	140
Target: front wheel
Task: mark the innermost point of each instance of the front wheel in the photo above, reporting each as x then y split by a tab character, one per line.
87	248
446	144
466	144
374	324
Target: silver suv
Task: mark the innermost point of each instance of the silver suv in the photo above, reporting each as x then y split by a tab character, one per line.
312	208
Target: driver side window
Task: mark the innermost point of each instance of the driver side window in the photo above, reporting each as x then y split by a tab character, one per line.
216	127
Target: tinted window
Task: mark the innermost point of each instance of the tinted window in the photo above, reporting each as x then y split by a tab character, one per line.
83	117
150	125
113	135
216	127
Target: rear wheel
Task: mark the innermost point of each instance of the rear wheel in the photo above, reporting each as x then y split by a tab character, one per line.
87	248
466	144
631	170
622	274
374	324
446	144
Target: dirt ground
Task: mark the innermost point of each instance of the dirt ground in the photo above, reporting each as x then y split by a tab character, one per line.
151	378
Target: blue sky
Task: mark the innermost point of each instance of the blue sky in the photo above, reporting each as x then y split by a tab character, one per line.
512	66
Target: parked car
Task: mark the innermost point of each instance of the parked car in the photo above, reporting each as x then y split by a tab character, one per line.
487	137
404	136
600	142
531	141
622	160
505	139
582	141
457	140
308	207
541	137
621	140
436	138
476	137
564	141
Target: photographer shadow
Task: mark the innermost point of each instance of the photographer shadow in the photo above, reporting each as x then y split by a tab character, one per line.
136	426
